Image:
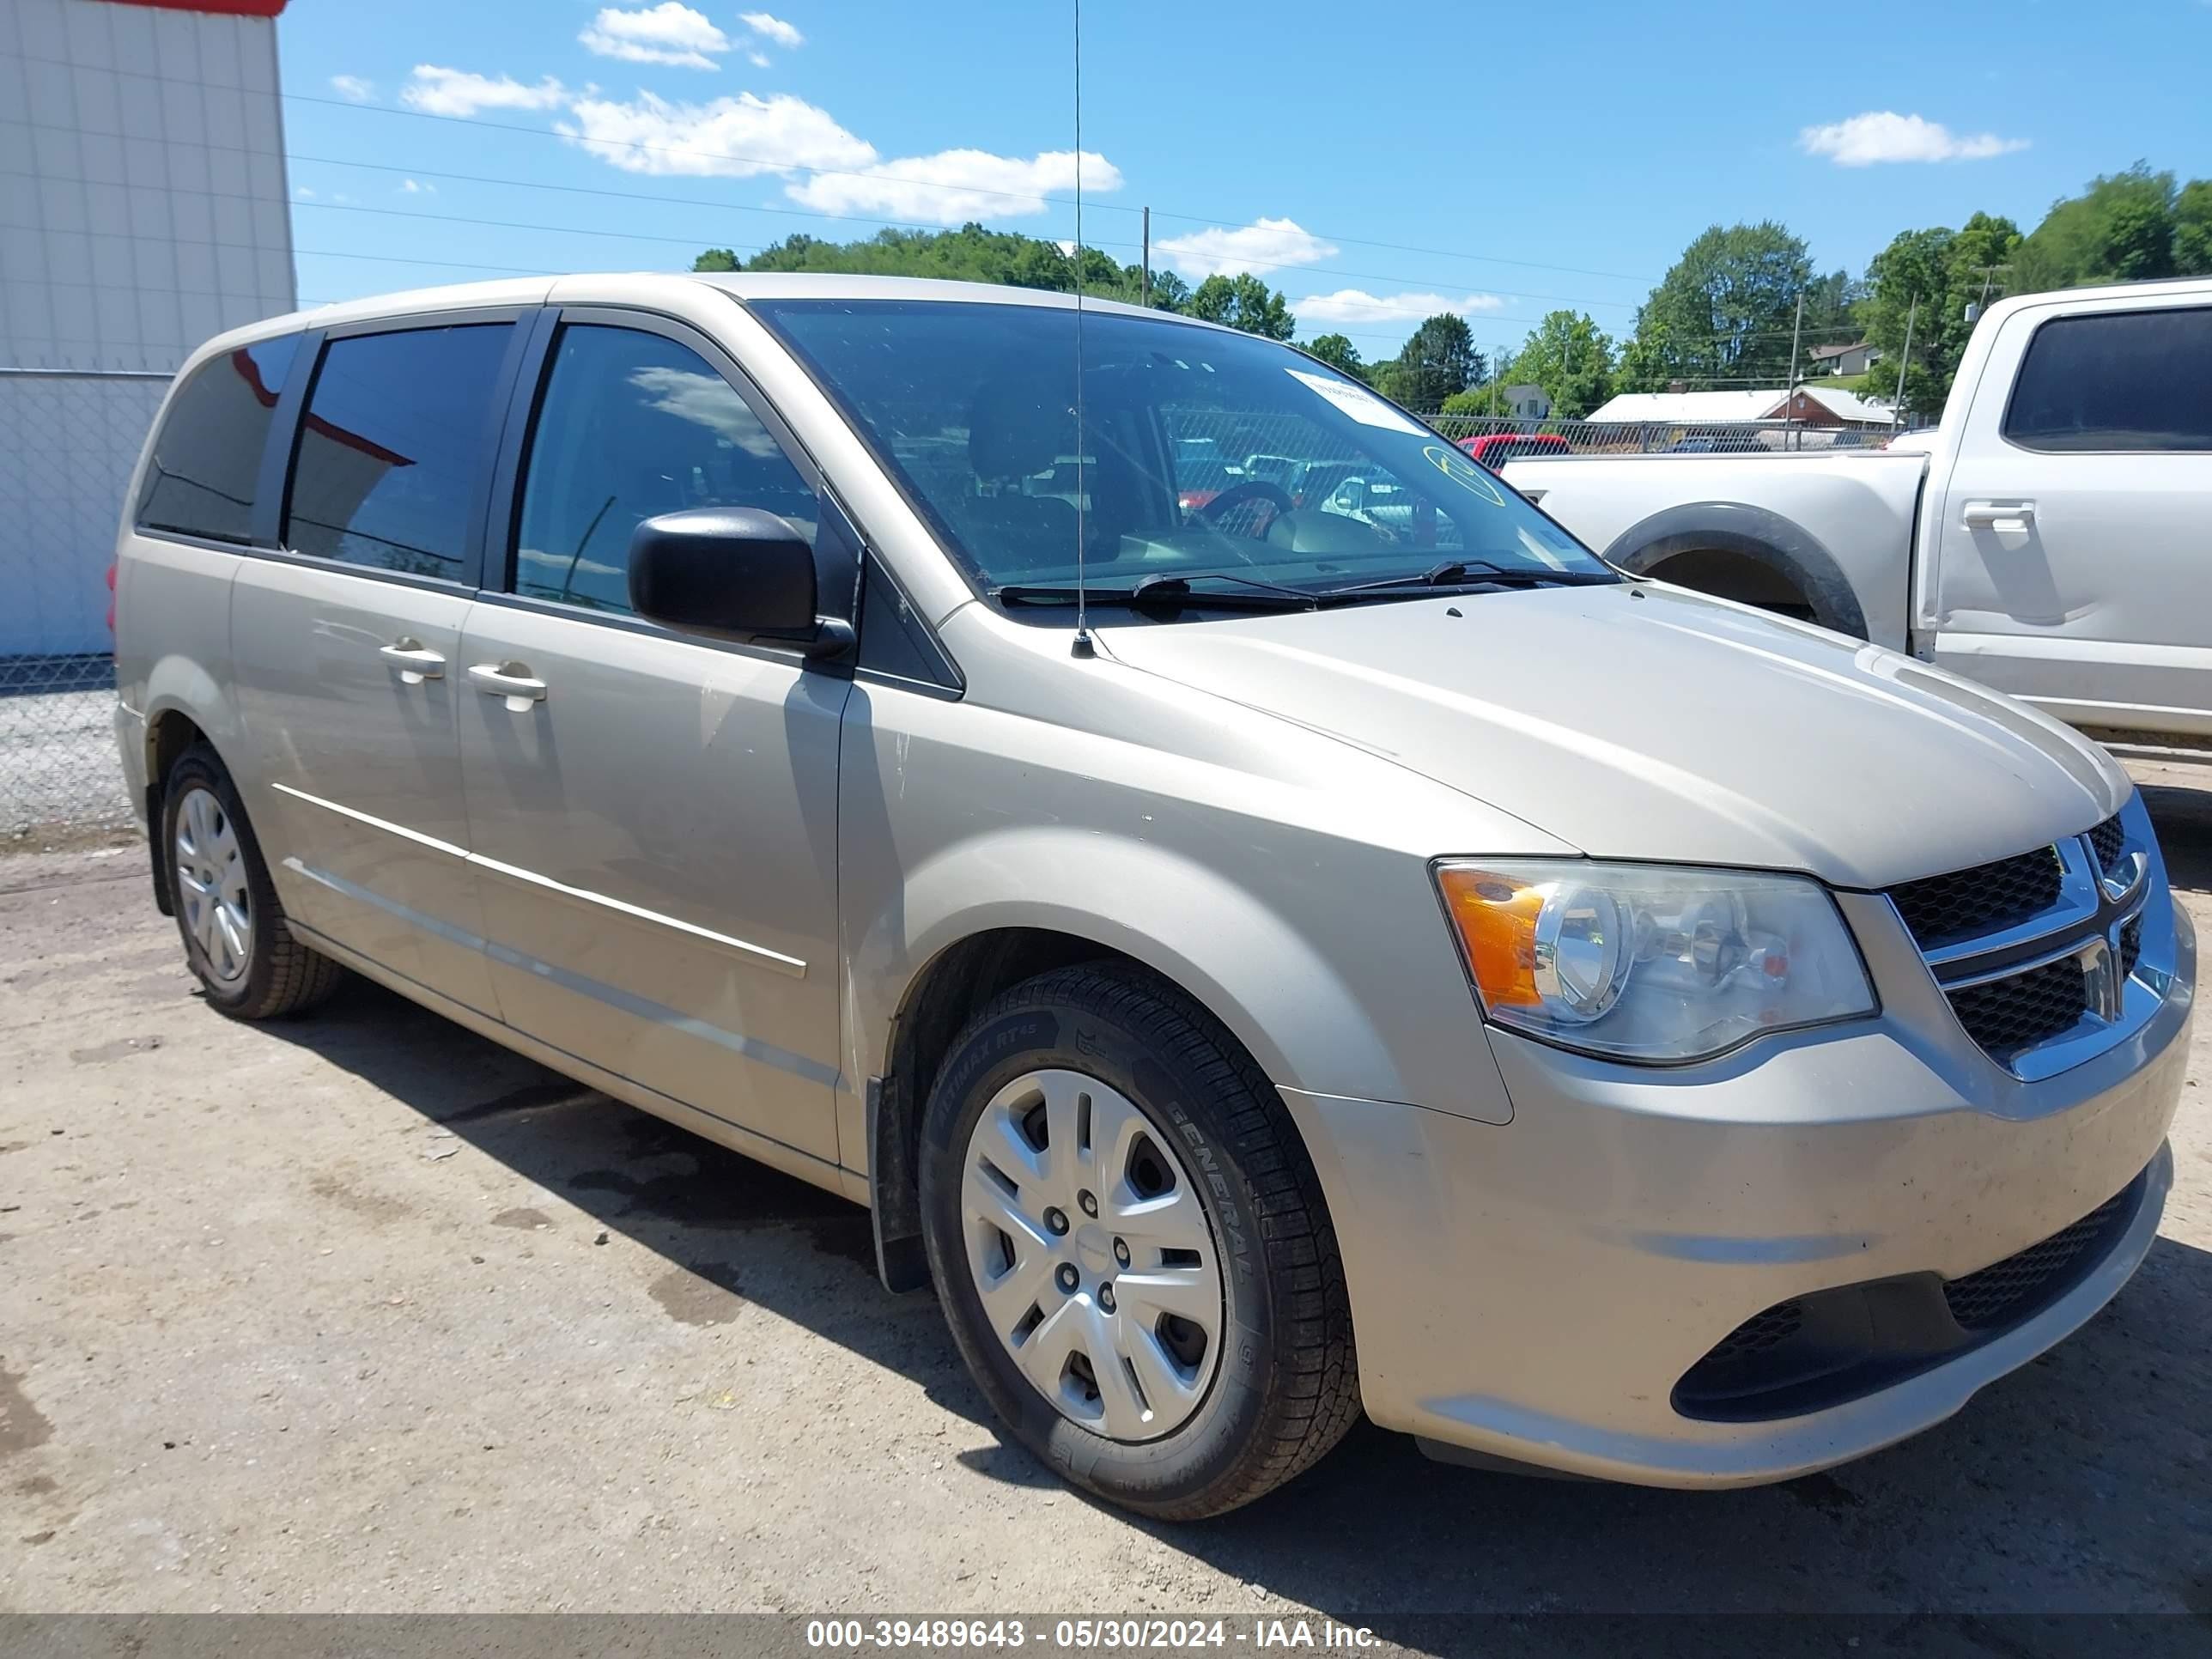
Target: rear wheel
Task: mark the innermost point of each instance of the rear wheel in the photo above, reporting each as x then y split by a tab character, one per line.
237	942
1132	1248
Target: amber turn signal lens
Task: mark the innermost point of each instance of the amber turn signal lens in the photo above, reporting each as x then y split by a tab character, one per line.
1495	919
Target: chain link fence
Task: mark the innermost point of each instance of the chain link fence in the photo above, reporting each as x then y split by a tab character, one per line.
1502	438
67	441
58	765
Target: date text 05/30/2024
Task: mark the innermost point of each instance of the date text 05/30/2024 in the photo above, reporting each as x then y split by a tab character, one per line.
851	1635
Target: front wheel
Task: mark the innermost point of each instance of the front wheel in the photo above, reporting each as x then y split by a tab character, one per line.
237	942
1132	1248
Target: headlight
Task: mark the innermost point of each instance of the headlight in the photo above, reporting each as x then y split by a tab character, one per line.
1648	962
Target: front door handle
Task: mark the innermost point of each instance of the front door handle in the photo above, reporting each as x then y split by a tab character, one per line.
2009	518
510	680
416	661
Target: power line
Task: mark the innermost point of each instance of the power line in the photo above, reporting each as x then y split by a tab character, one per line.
783	168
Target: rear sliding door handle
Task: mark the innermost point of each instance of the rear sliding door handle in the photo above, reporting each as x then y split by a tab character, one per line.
416	661
2012	518
510	680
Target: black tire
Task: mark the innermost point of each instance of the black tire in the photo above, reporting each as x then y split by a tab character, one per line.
1285	1384
282	976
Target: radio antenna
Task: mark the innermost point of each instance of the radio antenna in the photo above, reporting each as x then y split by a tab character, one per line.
1083	645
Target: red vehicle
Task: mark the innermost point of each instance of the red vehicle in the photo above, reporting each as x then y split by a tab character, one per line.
1494	449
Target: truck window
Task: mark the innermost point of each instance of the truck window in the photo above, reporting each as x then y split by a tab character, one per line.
2124	381
390	451
199	479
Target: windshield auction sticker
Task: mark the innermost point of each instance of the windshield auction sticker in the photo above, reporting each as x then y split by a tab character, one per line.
1363	407
1468	475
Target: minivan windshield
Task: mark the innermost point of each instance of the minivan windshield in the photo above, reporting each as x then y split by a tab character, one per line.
1203	453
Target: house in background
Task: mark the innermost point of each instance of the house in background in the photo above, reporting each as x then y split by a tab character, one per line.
1825	360
143	207
1525	402
1808	406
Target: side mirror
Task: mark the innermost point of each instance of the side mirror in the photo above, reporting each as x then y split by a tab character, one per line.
730	573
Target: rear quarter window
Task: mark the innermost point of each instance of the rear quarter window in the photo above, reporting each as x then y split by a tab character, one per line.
392	449
207	455
2116	381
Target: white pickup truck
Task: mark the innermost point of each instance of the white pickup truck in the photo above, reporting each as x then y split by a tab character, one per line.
2052	538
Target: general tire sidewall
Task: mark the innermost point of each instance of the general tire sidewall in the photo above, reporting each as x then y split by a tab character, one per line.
1038	1038
199	770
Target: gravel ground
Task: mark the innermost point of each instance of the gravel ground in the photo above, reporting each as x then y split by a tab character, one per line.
365	1313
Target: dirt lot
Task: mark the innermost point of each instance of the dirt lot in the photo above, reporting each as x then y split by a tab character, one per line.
364	1313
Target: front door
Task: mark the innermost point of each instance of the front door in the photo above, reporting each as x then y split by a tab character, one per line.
348	648
2073	552
653	817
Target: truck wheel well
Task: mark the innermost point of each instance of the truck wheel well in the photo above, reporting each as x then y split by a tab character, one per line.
1738	576
1737	551
937	1005
167	738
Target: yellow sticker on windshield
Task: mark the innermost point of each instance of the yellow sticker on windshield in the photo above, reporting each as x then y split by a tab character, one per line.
1468	474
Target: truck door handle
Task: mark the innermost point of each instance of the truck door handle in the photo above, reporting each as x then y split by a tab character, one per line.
2016	518
510	680
416	661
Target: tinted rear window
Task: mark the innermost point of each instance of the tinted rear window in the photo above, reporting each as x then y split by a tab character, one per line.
392	452
2124	381
199	480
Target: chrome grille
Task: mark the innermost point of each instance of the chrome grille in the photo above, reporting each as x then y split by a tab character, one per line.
2110	840
1938	909
2007	1015
2037	952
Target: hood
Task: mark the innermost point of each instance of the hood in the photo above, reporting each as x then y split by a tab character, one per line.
1640	721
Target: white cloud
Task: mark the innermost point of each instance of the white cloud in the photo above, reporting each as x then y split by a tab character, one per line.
1263	244
771	28
1352	305
729	138
438	91
748	135
667	33
305	193
955	185
1885	135
759	59
353	87
416	187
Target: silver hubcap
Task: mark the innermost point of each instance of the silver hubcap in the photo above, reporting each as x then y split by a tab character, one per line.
211	886
1092	1255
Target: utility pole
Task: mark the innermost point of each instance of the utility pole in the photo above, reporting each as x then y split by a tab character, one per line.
1148	258
1789	392
1905	356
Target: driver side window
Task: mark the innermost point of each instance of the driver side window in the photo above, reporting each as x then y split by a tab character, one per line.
634	424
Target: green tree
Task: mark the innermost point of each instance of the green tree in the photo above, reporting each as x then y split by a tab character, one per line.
1437	360
1244	301
1570	358
2121	228
1926	278
1337	353
717	259
2193	229
1723	315
1169	291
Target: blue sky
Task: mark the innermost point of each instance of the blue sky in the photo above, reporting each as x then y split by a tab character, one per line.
1376	166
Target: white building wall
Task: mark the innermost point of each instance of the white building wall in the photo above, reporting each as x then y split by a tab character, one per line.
143	208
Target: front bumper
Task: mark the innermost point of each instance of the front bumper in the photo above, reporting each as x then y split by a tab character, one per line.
1534	1291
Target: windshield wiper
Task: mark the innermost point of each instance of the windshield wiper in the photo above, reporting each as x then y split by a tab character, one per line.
1166	590
1460	573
